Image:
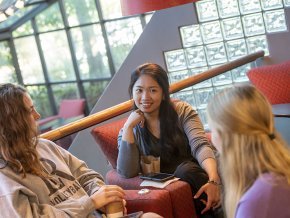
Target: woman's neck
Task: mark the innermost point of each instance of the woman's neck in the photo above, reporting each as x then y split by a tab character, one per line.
153	125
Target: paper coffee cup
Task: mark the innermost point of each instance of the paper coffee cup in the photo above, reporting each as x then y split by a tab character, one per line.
114	209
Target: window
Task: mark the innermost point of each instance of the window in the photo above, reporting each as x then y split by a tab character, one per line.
70	50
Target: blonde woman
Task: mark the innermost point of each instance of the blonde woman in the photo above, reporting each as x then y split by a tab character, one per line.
255	161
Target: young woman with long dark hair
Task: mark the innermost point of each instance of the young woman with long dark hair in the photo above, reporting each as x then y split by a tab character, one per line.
169	130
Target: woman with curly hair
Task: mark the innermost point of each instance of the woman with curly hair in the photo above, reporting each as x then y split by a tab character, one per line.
39	178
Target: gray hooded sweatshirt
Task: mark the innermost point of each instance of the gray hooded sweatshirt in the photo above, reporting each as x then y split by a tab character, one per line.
65	194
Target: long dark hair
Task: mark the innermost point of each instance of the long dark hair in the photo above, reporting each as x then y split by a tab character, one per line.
18	139
171	135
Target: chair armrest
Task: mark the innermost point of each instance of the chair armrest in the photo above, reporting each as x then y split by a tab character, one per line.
113	178
157	201
180	193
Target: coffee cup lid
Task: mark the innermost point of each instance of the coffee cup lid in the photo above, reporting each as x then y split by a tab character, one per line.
143	191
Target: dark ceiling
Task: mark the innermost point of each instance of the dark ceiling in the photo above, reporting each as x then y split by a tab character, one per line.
20	16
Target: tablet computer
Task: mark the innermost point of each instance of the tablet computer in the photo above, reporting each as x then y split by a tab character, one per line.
158	177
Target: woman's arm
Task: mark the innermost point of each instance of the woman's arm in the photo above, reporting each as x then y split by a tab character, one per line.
193	128
202	151
128	161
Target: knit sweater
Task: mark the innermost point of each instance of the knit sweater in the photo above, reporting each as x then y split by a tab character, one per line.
197	146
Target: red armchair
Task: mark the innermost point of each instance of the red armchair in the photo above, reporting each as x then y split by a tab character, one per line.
175	200
69	110
273	81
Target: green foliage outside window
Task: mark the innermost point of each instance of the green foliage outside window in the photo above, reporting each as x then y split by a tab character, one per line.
40	100
7	71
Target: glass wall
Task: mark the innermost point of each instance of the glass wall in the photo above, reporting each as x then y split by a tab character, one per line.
69	50
227	30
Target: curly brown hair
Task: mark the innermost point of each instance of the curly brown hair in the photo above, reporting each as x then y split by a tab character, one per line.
18	138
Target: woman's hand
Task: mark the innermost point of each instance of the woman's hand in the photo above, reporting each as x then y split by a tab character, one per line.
135	118
107	194
213	196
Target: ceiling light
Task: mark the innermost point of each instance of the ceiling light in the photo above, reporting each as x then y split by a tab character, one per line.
2	17
19	4
9	11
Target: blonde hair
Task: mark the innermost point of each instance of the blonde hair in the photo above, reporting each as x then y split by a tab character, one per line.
251	146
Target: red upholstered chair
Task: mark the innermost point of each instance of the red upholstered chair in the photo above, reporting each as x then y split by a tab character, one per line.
71	108
68	108
175	200
273	81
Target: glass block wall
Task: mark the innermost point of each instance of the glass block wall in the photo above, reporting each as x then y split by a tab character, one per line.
227	30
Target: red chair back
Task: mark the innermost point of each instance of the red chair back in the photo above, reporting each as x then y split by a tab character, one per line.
106	136
273	81
71	108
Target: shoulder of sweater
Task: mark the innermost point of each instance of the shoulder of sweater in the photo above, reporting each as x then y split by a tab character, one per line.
265	184
47	144
181	106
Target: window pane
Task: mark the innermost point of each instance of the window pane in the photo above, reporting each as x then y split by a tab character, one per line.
211	32
271	4
216	53
187	96
178	75
111	8
240	73
287	3
195	57
275	21
206	10
40	99
175	60
90	52
228	8
204	84
57	56
190	35
23	30
232	28
253	24
257	43
65	91
236	49
29	61
203	96
50	19
222	79
7	71
249	6
93	91
77	13
122	35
